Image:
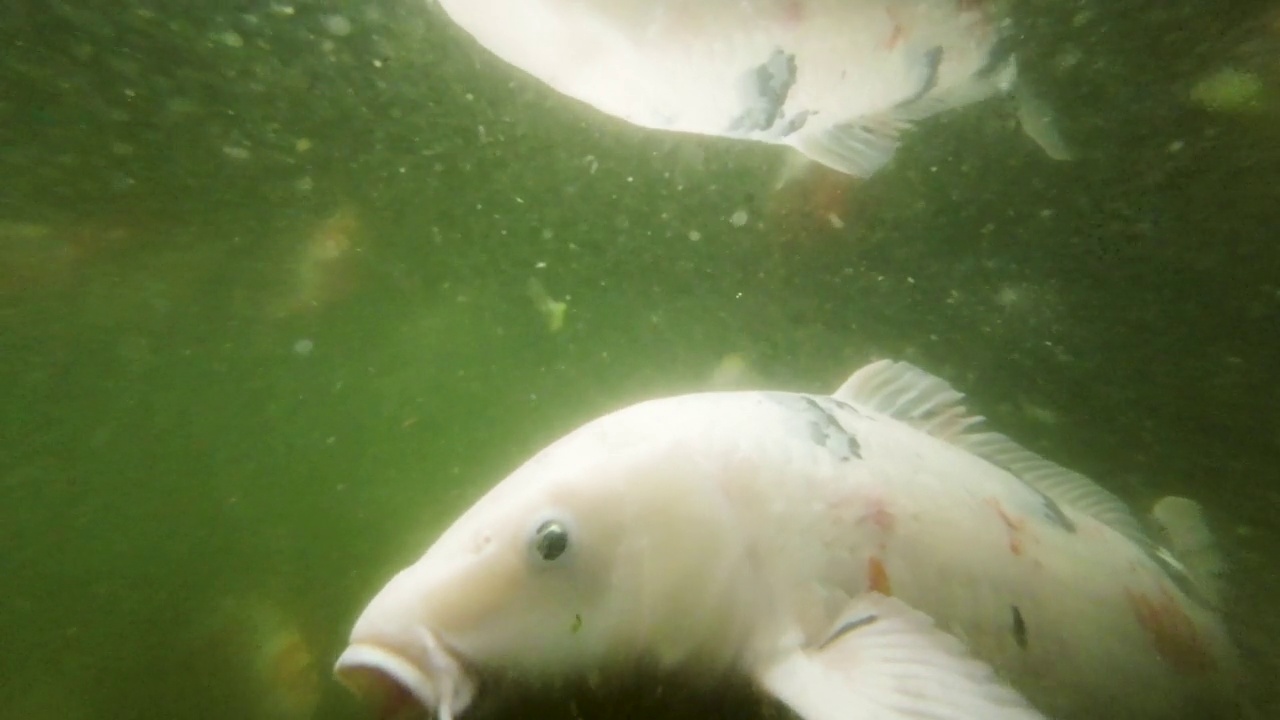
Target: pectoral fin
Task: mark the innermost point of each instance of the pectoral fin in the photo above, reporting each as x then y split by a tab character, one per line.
884	660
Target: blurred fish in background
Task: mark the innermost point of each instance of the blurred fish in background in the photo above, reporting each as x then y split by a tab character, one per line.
733	372
838	80
271	655
322	269
1246	82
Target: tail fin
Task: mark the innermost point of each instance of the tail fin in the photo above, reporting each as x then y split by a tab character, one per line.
1187	535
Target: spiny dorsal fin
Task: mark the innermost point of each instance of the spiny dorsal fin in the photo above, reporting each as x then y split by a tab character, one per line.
1187	534
928	403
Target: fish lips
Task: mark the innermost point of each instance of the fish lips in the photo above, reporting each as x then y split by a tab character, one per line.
430	678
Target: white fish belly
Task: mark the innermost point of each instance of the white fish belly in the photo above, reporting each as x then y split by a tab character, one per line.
757	69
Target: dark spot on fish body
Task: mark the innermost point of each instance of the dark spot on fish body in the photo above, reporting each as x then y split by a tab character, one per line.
777	75
1001	54
1019	628
834	436
794	124
822	427
1053	512
767	88
816	433
847	628
932	61
841	405
827	417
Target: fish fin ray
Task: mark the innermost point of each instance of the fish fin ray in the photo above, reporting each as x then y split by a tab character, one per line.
856	148
884	659
1187	534
906	393
911	395
1065	487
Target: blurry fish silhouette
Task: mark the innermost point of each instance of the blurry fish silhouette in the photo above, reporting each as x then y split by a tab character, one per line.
838	80
323	268
872	553
277	660
1246	79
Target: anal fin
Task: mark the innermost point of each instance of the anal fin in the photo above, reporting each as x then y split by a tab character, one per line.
858	148
885	660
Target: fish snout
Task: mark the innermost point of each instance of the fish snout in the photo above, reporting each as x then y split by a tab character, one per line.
419	675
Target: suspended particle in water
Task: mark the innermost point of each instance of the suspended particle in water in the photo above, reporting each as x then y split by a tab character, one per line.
337	25
738	218
304	347
230	38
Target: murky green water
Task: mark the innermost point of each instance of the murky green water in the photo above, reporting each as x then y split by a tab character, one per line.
265	319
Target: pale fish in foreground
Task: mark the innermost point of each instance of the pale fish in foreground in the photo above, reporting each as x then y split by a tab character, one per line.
868	554
838	80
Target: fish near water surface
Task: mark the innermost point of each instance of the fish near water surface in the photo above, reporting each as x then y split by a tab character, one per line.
838	80
868	554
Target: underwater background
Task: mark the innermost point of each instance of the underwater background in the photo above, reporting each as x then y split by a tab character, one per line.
285	286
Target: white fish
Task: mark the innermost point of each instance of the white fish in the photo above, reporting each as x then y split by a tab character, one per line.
869	554
839	80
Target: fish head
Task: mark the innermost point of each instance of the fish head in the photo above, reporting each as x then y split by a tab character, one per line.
609	546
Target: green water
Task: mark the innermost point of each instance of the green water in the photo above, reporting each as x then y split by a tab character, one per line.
201	419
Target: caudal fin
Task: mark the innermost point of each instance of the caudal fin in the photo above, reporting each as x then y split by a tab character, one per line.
1188	537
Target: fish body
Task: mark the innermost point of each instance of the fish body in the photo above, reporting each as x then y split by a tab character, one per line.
871	553
836	79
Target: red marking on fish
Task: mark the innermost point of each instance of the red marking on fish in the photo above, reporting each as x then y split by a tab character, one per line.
898	32
1172	633
877	577
1014	525
793	12
879	517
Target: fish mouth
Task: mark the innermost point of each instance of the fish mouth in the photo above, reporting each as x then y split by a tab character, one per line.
404	687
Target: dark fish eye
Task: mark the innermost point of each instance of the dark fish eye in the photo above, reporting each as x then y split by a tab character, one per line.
551	539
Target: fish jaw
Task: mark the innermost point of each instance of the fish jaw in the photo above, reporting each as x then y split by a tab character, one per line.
425	672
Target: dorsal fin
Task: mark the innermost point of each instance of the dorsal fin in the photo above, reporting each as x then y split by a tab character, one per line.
928	403
907	393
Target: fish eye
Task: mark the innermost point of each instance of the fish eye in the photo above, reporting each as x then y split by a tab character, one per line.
550	540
